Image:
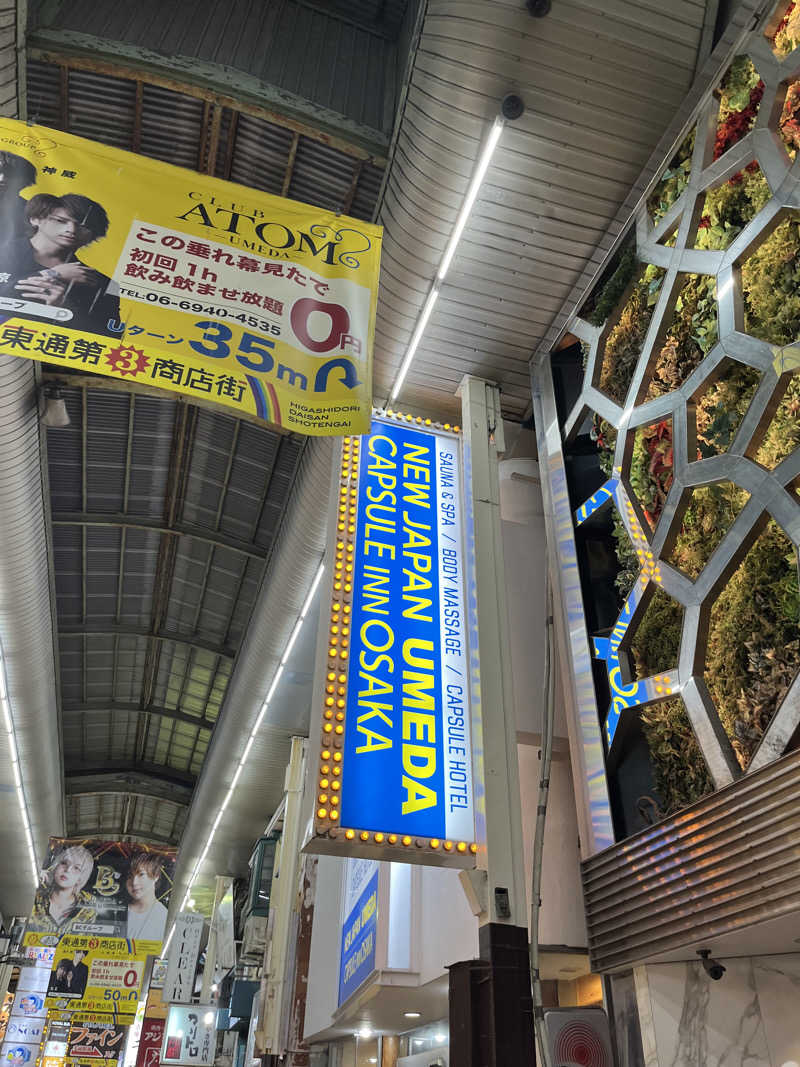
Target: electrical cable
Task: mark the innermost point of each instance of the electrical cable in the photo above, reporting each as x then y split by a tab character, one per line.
541	813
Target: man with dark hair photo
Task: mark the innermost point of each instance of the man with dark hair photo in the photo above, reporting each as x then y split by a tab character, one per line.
147	916
15	174
43	267
79	975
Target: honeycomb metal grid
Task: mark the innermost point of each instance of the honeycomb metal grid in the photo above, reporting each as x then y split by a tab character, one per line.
769	497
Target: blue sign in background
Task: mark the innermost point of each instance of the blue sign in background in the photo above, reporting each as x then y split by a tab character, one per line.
382	620
357	957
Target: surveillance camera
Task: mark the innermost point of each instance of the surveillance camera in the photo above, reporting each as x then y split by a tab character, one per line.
512	107
713	968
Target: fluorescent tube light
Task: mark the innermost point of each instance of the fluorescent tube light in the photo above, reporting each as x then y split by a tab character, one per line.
470	197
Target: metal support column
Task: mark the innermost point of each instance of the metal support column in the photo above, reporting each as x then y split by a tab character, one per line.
504	930
280	953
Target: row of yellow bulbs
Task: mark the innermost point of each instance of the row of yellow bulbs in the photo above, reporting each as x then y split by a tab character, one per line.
418	419
406	840
336	683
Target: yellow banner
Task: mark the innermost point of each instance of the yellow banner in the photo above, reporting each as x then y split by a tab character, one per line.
97	974
123	266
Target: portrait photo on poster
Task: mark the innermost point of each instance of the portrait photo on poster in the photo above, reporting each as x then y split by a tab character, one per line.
107	888
41	271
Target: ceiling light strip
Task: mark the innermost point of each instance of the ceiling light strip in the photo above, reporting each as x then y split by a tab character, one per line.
8	722
246	754
470	197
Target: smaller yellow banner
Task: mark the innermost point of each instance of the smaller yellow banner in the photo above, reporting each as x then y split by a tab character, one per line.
97	974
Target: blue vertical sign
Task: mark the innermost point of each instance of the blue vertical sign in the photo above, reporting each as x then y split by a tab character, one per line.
407	760
357	957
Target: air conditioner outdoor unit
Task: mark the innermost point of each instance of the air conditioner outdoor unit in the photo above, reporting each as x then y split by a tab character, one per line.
578	1037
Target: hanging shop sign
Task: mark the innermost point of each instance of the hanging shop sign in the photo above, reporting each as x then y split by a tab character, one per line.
24	1030
395	775
29	1003
359	926
16	1054
55	1046
191	1035
223	921
150	1042
96	1040
142	271
97	974
184	953
102	888
33	977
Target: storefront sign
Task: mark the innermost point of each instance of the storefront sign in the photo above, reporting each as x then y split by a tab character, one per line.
22	1029
357	955
55	1046
396	768
92	974
102	888
15	1054
150	1042
34	978
29	1003
138	270
183	955
223	920
191	1035
91	1041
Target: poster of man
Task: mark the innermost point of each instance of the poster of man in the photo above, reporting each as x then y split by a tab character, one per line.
70	974
42	266
106	888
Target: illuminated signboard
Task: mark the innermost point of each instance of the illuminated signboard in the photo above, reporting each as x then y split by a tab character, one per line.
395	775
359	928
191	1035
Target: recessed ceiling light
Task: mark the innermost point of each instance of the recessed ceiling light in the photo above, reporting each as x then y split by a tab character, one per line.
365	1033
412	1014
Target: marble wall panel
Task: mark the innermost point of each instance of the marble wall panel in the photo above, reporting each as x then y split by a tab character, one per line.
778	985
750	1018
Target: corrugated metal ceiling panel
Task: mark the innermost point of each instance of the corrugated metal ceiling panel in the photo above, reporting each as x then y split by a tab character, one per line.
102	108
316	52
172	125
599	89
128	459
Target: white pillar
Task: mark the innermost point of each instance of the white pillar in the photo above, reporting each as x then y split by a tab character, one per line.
483	442
279	952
